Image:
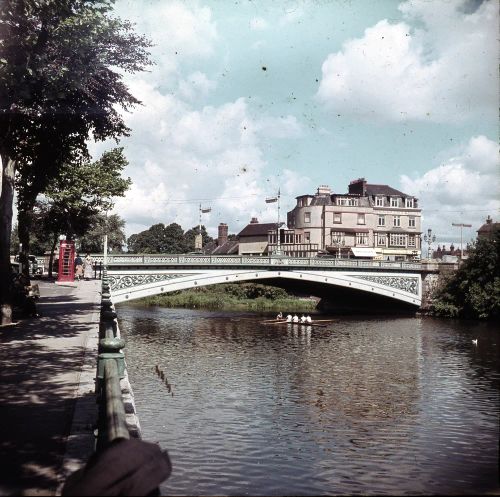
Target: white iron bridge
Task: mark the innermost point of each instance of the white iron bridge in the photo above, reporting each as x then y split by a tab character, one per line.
134	276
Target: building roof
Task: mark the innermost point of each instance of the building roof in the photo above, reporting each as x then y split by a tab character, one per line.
321	200
383	190
227	248
257	229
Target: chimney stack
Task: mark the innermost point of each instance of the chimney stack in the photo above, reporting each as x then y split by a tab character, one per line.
358	187
254	220
222	234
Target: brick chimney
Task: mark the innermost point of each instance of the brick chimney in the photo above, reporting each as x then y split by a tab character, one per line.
254	220
222	234
358	186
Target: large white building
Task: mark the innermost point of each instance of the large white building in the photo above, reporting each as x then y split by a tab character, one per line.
367	221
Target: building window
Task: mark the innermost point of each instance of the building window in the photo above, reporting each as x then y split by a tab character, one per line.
412	241
307	217
409	202
397	221
347	201
379	201
361	219
361	238
307	237
337	237
381	240
394	202
337	217
411	222
381	220
397	240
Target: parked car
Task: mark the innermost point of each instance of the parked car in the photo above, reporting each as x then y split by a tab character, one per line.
35	269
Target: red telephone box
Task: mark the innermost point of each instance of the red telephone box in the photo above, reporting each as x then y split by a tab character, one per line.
66	270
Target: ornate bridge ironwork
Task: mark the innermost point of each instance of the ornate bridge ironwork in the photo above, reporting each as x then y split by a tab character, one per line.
136	276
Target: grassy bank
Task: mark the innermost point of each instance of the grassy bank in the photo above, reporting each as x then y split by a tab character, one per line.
245	297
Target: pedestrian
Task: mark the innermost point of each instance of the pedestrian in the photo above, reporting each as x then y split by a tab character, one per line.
88	267
78	267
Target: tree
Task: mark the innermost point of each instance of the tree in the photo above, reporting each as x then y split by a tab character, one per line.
161	239
113	226
473	291
158	239
61	83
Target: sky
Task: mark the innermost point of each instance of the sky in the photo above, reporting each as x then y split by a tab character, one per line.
250	96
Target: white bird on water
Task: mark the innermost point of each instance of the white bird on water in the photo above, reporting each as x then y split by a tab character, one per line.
474	341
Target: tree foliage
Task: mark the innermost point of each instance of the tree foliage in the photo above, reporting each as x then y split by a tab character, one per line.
473	291
62	64
161	239
93	240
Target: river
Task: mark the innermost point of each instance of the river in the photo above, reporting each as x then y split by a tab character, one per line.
381	405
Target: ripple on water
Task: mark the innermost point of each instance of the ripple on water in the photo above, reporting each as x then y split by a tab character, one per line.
366	407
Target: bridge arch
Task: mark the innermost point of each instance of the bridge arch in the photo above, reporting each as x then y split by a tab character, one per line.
135	283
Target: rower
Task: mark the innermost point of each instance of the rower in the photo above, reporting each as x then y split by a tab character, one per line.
295	318
302	319
289	318
308	319
279	317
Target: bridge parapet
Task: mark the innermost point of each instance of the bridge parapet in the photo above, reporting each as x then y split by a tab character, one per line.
241	260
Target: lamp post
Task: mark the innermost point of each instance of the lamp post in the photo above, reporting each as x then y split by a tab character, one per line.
198	243
271	200
430	239
461	225
105	261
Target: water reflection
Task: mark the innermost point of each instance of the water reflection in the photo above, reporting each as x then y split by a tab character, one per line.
361	406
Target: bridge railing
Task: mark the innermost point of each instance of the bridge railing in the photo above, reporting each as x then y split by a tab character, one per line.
243	260
111	423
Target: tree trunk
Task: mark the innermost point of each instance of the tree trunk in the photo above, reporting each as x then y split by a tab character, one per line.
24	221
6	203
51	260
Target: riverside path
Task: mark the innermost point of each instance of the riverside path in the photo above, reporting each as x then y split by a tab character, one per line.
47	400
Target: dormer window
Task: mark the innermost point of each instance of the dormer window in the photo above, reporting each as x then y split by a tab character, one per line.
394	202
409	202
379	201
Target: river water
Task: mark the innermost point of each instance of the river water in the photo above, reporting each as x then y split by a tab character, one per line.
361	406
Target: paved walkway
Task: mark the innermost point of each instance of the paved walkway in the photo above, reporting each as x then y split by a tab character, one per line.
47	403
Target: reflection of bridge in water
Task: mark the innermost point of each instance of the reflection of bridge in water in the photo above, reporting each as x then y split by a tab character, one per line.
135	276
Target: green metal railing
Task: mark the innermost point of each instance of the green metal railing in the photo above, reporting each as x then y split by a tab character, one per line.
111	423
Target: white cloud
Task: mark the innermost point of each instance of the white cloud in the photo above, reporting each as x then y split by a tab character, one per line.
177	30
181	156
462	189
444	71
196	85
258	24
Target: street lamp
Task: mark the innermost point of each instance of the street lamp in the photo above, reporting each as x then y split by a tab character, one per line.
430	239
198	242
461	225
271	200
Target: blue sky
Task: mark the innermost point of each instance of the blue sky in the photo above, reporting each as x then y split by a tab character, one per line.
248	96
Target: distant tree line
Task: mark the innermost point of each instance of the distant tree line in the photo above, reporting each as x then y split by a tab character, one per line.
170	239
473	291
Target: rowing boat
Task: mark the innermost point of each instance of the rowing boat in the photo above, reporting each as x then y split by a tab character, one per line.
318	325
